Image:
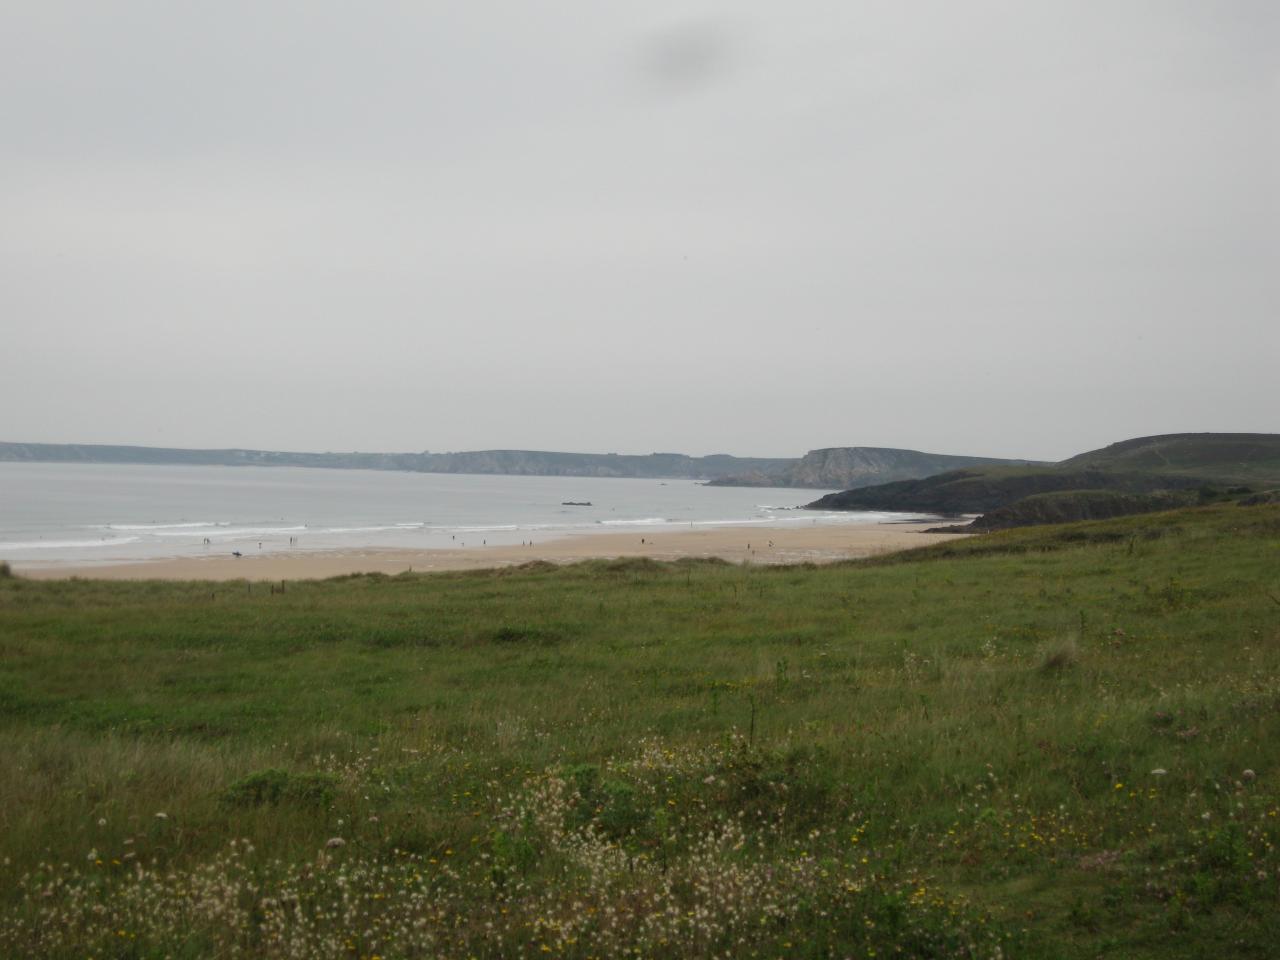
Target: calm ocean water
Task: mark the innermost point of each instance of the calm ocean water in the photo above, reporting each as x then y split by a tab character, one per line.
86	513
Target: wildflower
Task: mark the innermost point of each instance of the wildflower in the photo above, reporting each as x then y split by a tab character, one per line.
334	842
102	821
1248	776
1159	772
162	815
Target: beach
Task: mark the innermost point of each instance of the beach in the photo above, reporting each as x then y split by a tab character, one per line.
815	543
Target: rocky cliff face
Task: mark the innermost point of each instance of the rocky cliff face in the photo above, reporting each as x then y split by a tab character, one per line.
848	468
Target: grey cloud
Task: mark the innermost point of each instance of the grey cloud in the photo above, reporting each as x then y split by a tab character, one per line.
1004	228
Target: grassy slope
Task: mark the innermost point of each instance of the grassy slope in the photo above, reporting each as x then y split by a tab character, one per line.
1224	457
1068	506
952	747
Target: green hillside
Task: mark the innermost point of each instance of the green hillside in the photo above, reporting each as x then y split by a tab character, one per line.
1069	506
978	491
1224	457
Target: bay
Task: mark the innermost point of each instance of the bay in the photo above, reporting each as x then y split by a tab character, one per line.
56	513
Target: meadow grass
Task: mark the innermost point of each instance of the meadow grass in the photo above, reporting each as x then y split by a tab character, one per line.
1057	742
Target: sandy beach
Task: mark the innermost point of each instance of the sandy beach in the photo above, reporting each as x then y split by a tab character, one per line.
816	543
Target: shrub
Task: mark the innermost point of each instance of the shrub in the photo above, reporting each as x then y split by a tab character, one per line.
1061	657
525	633
277	786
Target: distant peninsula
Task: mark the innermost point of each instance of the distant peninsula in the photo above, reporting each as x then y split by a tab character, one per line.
832	468
539	463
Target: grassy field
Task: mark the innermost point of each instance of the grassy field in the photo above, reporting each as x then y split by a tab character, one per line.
1051	742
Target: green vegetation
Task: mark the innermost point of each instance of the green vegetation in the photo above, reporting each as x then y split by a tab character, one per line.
1223	457
1167	464
1047	742
1068	506
982	491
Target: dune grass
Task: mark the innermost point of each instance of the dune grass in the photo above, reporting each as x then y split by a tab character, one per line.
1055	742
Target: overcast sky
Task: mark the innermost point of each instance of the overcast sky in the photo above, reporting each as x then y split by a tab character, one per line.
1004	228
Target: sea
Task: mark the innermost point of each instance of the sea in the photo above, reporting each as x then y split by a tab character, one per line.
84	514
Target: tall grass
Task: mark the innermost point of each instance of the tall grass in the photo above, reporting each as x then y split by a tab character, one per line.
1031	743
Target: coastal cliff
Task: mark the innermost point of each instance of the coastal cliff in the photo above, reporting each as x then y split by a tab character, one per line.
1132	476
847	468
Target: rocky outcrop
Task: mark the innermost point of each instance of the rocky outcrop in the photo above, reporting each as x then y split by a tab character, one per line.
851	467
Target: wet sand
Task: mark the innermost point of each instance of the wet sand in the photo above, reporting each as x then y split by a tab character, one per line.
816	543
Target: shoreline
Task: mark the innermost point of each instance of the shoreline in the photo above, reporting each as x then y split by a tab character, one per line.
818	543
